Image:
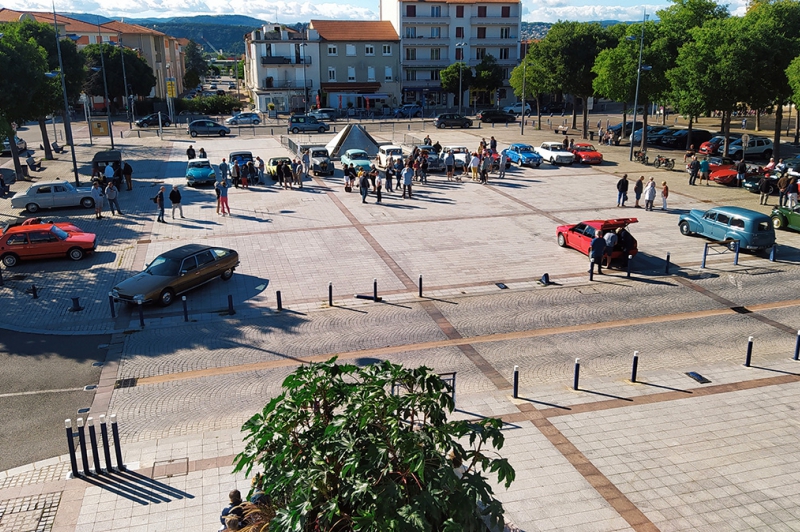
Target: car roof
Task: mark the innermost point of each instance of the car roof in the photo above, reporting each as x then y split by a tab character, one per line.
740	212
109	155
183	251
584	144
356	150
391	147
240	154
49	183
521	145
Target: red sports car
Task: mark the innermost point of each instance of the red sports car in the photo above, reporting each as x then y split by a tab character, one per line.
586	154
720	163
727	175
34	239
579	236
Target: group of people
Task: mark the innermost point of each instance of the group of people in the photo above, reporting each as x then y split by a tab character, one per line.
100	194
174	198
115	172
290	173
239	513
642	190
603	246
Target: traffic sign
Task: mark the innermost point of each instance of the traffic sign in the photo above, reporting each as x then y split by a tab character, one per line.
745	140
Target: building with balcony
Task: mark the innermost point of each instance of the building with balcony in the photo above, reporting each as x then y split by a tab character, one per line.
434	35
359	64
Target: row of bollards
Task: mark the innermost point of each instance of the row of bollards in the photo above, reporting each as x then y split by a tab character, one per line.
93	442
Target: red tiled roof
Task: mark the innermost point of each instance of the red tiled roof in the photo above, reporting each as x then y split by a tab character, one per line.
355	30
123	27
71	25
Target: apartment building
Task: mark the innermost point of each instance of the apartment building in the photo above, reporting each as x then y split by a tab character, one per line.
359	64
434	35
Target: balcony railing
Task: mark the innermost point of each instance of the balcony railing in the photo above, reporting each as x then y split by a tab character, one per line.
270	83
483	21
426	62
285	60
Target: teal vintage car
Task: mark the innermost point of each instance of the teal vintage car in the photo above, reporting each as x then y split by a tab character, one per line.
200	172
786	218
753	230
358	158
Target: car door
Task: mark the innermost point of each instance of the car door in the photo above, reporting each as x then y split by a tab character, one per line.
707	224
189	275
43	244
17	243
63	197
206	267
44	196
576	237
720	226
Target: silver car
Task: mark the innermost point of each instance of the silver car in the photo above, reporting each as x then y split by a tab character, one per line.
244	118
207	127
52	195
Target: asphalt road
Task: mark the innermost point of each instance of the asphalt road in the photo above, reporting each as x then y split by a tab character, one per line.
41	385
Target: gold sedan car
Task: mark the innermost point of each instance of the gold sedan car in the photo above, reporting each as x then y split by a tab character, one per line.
176	272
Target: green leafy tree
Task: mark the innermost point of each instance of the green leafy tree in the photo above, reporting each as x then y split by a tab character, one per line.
138	73
338	451
449	78
209	105
488	75
538	79
196	65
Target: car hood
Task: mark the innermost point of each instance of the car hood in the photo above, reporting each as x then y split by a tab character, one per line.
82	238
199	172
142	283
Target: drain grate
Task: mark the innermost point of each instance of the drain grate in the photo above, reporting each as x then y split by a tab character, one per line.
177	467
125	383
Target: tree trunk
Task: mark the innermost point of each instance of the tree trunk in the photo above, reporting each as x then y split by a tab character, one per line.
722	122
726	130
776	140
585	118
539	112
48	153
689	136
12	143
575	113
758	119
624	119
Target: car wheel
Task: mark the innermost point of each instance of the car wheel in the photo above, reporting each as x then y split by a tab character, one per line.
684	227
777	222
321	129
222	133
32	208
166	298
233	123
770	190
732	245
552	161
520	163
256	122
561	240
87	203
10	260
227	274
295	130
75	254
165	123
193	133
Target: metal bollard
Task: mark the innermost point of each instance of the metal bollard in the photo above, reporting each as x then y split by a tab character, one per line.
111	304
375	290
772	252
104	439
117	448
705	253
516	382
635	366
280	301
185	309
34	291
82	443
591	269
330	294
577	374
420	286
141	313
797	347
749	352
628	267
736	253
1	277
231	311
93	442
666	266
76	305
71	446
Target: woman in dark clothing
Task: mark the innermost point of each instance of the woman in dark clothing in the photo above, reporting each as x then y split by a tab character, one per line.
287	175
638	188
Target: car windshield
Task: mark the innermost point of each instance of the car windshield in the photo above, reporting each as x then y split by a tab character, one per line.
60	233
525	149
164	266
458	150
319	153
199	164
584	148
358	156
394	151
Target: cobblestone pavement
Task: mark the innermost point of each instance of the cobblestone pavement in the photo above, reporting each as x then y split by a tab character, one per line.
664	453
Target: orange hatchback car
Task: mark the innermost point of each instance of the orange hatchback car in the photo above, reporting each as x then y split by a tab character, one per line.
34	239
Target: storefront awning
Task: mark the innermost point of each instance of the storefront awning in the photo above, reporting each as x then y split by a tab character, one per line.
361	88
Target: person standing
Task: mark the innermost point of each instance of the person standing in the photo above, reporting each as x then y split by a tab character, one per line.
97	196
783	185
493	144
236	173
611	242
704	170
664	195
260	166
175	198
202	154
244	170
501	172
363	184
622	190
127	173
398	170
741	171
223	197
474	164
765	188
190	153
389	174
306	166
216	191
223	170
449	164
423	168
378	186
288	176
694	170
108	173
649	194
486	165
408	177
638	188
112	194
427	140
791	193
301	171
597	250
159	199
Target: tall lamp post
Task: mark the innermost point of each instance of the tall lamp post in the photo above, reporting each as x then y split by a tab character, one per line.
460	46
638	79
105	84
67	122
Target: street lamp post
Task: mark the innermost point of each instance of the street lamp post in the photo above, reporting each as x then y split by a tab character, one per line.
67	123
460	46
105	85
638	79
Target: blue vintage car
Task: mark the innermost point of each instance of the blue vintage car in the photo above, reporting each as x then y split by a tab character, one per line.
523	155
200	172
753	230
356	157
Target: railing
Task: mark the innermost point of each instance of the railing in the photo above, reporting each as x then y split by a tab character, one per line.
285	60
286	84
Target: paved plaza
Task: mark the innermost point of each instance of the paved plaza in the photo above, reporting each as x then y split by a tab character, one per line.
662	453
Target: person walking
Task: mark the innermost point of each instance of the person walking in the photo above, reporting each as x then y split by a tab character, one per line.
664	195
765	188
638	188
694	170
159	199
649	194
363	184
97	196
597	251
260	167
622	190
216	191
408	177
127	173
783	185
175	198
223	170
190	153
704	171
112	194
501	172
223	197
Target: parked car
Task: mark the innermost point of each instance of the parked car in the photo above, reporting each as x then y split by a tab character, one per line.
272	165
305	123
714	144
579	236
555	153
99	162
389	150
720	163
523	155
629	126
22	146
636	136
320	160
654	137
786	218
460	153
726	175
207	127
244	118
752	183
452	120
586	154
200	172
232	86
516	109
753	230
324	113
757	147
35	239
408	110
152	120
495	115
357	157
680	139
52	195
243	157
176	272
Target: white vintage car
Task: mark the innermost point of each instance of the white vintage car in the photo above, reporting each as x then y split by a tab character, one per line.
461	154
555	153
387	151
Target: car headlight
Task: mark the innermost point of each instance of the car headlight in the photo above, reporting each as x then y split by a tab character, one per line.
139	297
115	293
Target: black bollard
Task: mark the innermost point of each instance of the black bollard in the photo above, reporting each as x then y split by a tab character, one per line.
375	290
34	292
76	305
1	277
111	304
185	309
231	312
330	294
749	352
628	267
420	286
141	313
117	448
635	366
71	446
104	439
577	376
797	347
772	252
591	269
82	443
705	252
93	442
736	253
280	301
516	382
666	266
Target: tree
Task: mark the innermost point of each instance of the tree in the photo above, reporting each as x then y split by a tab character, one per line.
538	79
339	451
138	73
450	79
488	75
196	65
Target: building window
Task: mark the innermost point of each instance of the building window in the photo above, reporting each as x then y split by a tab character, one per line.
387	49
436	54
436	32
506	12
481	33
369	50
351	73
331	74
435	75
503	93
459	11
480	53
459	54
505	33
370	73
436	11
332	50
411	75
482	11
411	10
387	74
503	53
411	54
506	73
411	33
350	49
459	32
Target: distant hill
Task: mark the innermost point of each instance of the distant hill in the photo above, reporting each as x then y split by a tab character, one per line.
537	30
217	20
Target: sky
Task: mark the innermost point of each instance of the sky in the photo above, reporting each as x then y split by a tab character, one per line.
290	12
